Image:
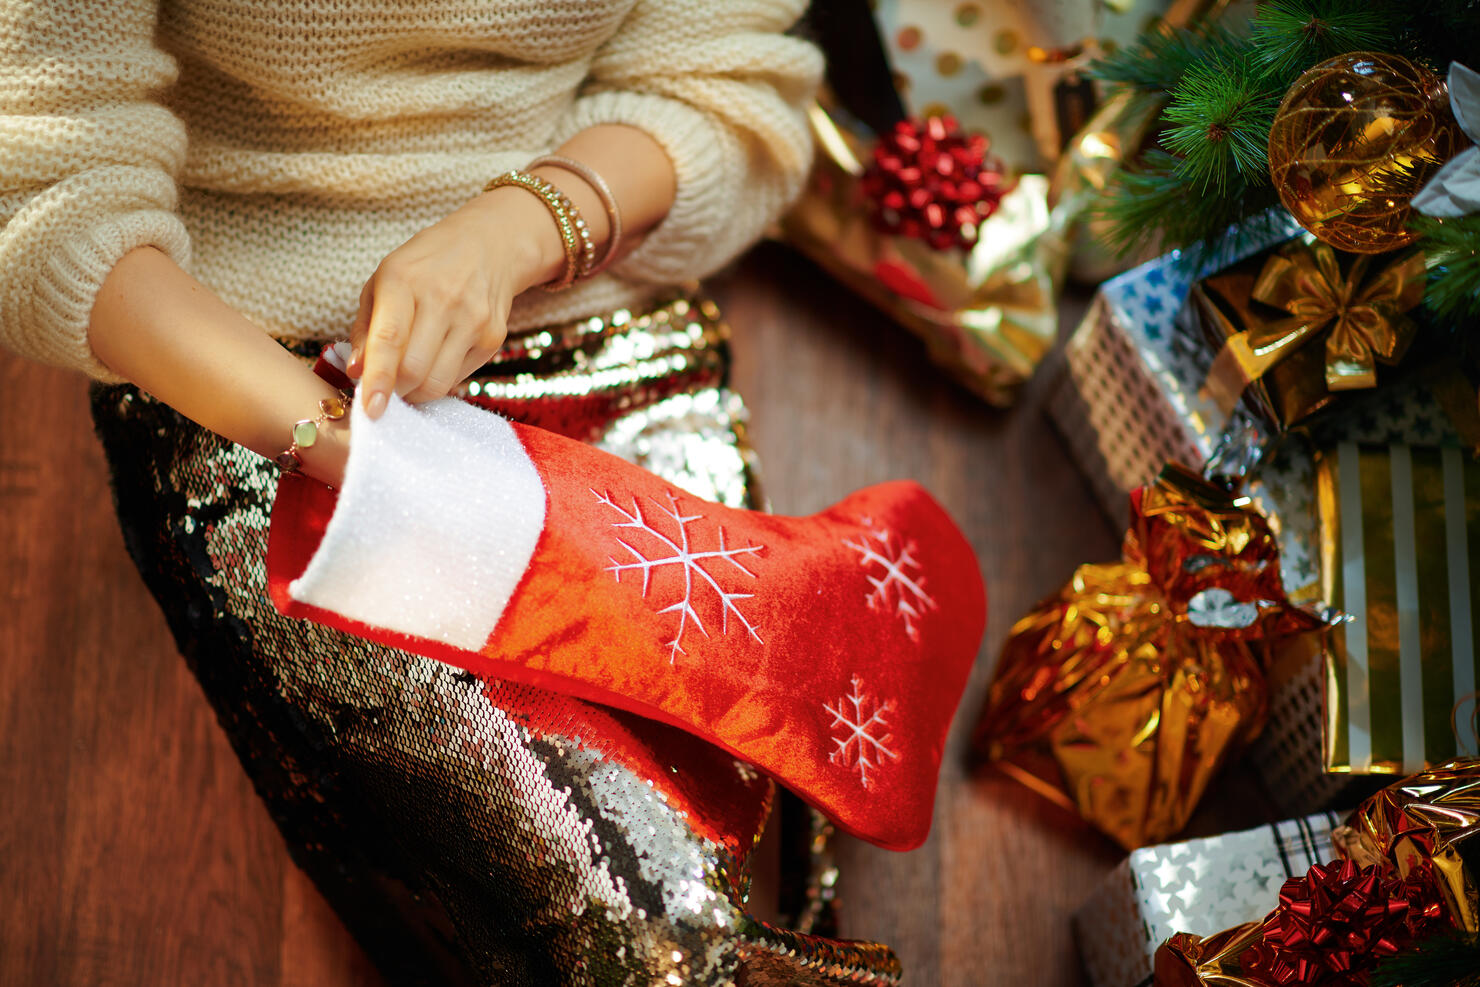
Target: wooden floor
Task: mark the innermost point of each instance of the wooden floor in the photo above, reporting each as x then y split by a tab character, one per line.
133	852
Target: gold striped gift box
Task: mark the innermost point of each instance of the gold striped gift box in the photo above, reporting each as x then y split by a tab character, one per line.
1400	557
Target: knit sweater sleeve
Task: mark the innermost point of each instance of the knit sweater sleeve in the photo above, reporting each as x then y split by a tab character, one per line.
724	92
87	166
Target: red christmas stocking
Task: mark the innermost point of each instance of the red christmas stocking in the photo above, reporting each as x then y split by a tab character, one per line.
830	651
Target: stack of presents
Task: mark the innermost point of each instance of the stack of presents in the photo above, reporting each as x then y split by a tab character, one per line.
1283	418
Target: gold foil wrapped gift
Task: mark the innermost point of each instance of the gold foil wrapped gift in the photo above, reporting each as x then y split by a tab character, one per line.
1399	542
1424	830
987	316
1297	326
1435	817
1123	695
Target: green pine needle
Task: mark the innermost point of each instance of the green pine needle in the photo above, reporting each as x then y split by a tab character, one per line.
1159	58
1443	961
1452	248
1292	35
1218	120
1154	206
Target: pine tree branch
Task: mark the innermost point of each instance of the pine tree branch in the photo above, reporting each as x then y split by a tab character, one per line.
1292	35
1219	117
1159	58
1452	248
1156	206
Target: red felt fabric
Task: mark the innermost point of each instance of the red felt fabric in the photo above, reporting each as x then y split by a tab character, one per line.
777	675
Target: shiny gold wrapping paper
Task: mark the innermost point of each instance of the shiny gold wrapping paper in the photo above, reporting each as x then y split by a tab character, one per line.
1123	695
1114	135
1186	960
988	316
1294	328
1399	543
1431	817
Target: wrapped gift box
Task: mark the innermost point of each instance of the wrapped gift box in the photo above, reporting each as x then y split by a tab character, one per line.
1400	542
999	66
1309	707
1404	880
1128	400
987	315
1199	886
1127	396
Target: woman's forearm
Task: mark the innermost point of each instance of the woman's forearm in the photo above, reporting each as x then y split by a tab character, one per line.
635	167
155	325
160	328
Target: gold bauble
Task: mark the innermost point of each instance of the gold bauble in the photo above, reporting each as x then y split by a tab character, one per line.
1355	138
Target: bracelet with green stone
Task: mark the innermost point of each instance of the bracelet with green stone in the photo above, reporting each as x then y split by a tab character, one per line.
306	432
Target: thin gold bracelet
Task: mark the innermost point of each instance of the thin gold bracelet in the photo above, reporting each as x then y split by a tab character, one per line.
603	191
306	431
575	236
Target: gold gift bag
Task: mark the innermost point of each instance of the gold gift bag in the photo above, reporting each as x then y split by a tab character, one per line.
1400	556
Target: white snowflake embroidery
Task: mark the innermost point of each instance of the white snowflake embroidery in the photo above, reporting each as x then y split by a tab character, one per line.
900	573
862	744
682	554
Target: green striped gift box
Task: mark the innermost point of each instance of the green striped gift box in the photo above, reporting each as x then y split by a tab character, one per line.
1400	556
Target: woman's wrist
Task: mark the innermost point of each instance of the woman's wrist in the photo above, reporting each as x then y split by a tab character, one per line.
514	222
326	458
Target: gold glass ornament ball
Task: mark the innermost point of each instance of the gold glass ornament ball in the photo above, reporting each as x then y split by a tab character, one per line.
1354	139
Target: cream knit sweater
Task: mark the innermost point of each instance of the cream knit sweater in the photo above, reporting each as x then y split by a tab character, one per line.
279	149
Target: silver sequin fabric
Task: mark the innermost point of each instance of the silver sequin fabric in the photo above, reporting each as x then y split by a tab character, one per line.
473	831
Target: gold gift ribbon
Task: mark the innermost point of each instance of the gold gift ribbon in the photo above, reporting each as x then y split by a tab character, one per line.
1361	316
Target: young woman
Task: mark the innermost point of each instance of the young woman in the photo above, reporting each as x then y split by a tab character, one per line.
198	196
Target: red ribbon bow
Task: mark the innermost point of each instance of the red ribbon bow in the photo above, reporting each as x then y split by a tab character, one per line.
1335	923
930	181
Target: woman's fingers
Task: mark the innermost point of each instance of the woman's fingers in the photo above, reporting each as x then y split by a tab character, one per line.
431	314
357	330
476	358
386	336
484	348
445	370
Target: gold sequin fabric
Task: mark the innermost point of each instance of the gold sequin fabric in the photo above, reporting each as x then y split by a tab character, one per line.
474	831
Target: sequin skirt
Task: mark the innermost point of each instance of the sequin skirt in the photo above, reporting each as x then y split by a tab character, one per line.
473	831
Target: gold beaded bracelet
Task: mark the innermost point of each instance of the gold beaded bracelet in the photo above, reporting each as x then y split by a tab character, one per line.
603	192
306	432
575	236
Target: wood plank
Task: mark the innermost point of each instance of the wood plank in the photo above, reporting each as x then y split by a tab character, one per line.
36	666
134	849
840	397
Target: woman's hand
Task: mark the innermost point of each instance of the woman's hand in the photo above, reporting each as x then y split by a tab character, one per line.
437	307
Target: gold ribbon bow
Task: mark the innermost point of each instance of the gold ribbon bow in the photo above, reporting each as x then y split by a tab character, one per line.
1362	317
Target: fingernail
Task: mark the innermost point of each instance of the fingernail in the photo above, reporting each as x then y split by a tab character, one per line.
375	403
353	367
